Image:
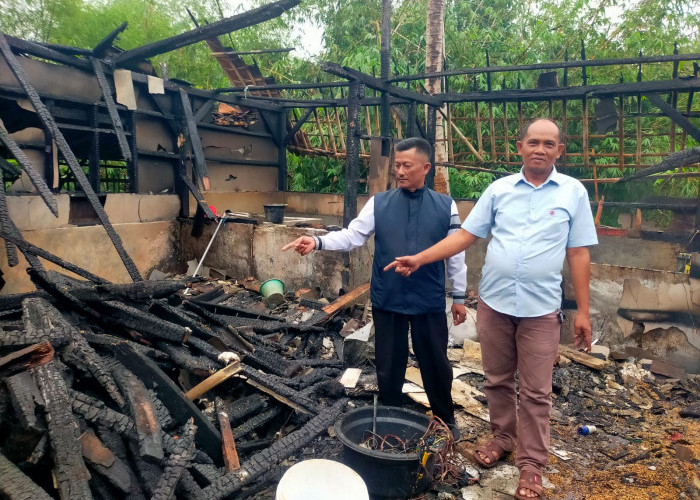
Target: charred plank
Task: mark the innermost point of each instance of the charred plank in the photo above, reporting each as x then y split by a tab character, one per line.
69	469
103	462
29	357
256	422
243	407
276	387
228	442
146	323
264	461
183	358
15	485
176	463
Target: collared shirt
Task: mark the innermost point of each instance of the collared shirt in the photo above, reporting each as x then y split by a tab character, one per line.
531	229
362	227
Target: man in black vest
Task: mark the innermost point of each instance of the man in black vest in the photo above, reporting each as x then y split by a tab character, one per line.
405	221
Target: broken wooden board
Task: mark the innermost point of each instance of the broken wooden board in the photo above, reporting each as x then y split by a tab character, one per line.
463	394
29	357
355	296
582	357
212	381
659	367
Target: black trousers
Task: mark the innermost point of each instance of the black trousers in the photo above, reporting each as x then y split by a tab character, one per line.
429	337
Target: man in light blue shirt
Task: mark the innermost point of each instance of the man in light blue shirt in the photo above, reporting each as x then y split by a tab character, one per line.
536	218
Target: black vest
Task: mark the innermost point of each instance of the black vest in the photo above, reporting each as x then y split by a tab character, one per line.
406	223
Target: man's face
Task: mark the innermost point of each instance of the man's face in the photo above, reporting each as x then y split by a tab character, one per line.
411	167
540	147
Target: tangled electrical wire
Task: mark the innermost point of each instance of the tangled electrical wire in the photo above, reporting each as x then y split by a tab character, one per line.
436	449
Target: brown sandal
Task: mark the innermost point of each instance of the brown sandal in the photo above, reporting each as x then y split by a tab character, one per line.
532	481
488	450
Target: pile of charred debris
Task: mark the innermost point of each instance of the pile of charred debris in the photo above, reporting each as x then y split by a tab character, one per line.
197	389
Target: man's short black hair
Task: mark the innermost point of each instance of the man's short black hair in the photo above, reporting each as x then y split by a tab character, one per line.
419	143
523	132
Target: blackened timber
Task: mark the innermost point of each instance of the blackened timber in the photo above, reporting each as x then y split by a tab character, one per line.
283	448
53	131
96	412
675	116
175	315
183	358
6	225
32	173
146	323
283	86
106	43
200	163
552	65
352	152
297	126
9	168
248	405
275	386
256	422
385	54
70	473
237	311
671	162
81	356
15	485
202	112
102	460
197	194
25	396
37	50
29	357
181	408
259	326
215	29
176	463
377	84
533	95
111	107
430	125
142	411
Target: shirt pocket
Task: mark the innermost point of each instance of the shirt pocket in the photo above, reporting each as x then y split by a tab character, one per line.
554	221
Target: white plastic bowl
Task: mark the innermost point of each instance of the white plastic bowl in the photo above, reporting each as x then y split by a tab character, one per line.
319	479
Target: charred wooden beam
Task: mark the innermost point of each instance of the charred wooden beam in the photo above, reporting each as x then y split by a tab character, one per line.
36	178
671	162
197	194
38	50
256	422
15	485
96	412
81	356
297	127
29	357
103	462
675	116
46	281
146	323
181	408
202	112
272	362
6	224
70	472
264	461
176	315
25	396
275	387
183	358
377	84
228	442
241	408
142	411
227	25
242	312
199	163
352	155
107	42
111	107
176	463
54	132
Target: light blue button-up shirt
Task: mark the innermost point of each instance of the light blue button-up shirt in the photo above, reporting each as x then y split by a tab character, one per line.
531	229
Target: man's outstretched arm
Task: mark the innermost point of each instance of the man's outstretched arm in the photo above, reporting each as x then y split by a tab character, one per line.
454	243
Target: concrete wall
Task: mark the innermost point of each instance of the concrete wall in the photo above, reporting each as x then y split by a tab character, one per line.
242	250
151	245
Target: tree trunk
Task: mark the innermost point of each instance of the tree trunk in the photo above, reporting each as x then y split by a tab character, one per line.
434	56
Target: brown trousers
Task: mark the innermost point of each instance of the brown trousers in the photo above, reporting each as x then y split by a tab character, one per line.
528	345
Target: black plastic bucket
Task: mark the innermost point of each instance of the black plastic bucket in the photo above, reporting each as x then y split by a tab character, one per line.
275	212
387	475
